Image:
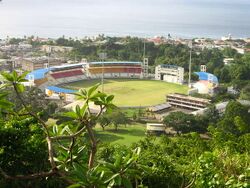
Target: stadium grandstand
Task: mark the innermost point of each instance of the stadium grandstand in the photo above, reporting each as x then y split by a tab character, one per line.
57	75
169	73
114	69
207	83
67	73
60	93
187	102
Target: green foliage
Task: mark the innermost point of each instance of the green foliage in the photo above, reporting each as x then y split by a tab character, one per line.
104	120
16	80
234	109
221	160
4	103
245	93
224	75
15	40
123	170
23	151
120	172
119	118
222	169
240	72
33	97
235	120
183	123
229	52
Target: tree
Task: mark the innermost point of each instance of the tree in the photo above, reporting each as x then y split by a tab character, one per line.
234	109
180	122
24	151
81	114
224	75
211	115
119	118
35	99
240	72
245	93
235	119
229	52
215	60
104	120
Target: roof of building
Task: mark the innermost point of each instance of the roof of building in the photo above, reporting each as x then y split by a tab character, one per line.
94	109
156	127
69	65
221	106
244	102
207	76
169	66
43	59
187	97
114	62
38	74
60	90
159	107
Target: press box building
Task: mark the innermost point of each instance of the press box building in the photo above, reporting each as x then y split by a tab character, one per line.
169	73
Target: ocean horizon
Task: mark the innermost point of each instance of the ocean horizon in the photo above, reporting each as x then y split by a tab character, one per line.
142	18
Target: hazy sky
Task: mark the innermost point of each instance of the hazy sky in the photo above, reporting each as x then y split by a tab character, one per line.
53	18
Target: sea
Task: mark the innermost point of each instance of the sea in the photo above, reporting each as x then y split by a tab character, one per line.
143	18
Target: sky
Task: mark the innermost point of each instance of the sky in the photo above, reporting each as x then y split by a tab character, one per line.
54	18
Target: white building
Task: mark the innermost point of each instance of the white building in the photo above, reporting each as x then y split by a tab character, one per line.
228	61
224	38
156	128
220	107
239	50
49	48
169	73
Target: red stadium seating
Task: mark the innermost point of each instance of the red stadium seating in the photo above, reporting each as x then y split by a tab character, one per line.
66	74
132	70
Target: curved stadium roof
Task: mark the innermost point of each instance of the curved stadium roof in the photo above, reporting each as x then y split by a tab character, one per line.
207	76
60	90
38	74
114	62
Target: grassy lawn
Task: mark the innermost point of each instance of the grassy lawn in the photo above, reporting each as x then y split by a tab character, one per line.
129	92
124	135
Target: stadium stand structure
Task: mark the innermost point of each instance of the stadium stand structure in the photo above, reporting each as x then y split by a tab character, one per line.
56	75
60	93
187	102
114	69
169	73
67	73
207	83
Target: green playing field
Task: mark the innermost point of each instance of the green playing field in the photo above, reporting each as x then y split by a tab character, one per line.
132	92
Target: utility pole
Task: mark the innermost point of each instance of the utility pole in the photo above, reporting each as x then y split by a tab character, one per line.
49	52
144	48
190	45
102	56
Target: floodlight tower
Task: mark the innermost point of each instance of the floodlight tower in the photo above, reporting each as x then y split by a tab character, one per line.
145	68
145	62
190	45
49	53
102	56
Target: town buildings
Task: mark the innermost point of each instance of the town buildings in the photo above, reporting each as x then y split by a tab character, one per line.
31	64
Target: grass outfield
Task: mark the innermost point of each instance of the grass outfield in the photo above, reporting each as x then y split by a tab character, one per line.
129	92
124	135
